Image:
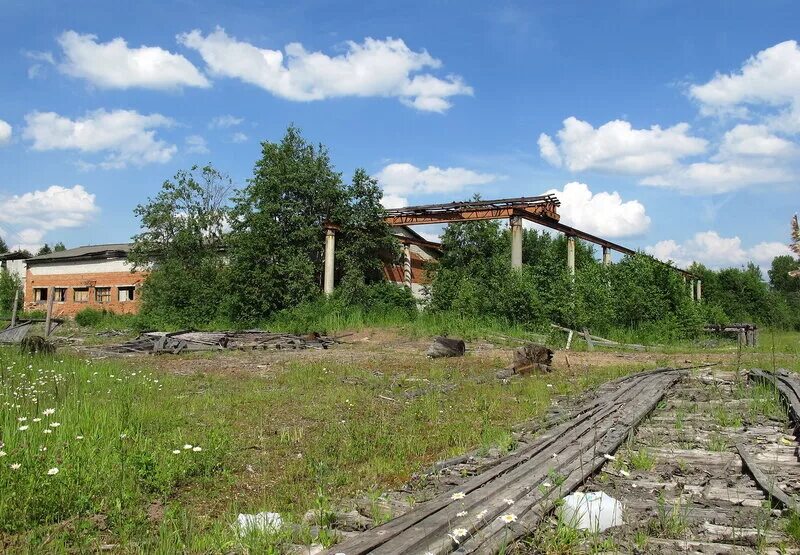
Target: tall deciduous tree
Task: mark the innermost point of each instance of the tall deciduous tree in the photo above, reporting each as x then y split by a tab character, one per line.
278	228
44	249
181	242
795	246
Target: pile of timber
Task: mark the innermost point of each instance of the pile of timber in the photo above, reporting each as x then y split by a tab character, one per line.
747	334
508	501
185	341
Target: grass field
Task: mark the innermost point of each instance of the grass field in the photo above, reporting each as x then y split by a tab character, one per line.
146	457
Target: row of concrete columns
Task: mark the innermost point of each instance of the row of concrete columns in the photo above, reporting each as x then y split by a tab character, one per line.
695	289
330	249
696	286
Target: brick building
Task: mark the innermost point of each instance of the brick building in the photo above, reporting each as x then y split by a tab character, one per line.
100	276
96	276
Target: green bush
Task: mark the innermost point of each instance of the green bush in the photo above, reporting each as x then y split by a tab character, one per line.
89	317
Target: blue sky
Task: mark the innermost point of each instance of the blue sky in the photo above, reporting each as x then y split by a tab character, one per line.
667	126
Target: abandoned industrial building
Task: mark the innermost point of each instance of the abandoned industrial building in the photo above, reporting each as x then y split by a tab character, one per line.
100	276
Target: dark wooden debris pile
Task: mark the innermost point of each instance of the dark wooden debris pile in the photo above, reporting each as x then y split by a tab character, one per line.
18	329
510	499
188	341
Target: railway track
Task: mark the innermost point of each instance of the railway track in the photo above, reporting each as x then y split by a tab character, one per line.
668	444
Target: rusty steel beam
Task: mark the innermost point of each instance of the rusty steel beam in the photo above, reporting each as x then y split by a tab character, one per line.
543	206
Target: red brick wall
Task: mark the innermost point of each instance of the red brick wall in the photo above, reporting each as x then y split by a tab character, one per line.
394	272
91	280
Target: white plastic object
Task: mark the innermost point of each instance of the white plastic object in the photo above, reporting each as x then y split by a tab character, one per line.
592	510
259	522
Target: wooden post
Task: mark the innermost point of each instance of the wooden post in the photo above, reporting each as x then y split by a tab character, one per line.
14	308
407	265
50	295
516	241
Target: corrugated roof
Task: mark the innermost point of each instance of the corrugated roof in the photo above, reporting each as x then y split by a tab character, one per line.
119	250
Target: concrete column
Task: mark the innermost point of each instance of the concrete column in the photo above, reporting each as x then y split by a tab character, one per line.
330	246
407	265
606	256
571	254
516	241
699	293
692	288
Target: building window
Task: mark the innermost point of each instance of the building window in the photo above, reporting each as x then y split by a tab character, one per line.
60	294
40	294
81	294
102	294
125	293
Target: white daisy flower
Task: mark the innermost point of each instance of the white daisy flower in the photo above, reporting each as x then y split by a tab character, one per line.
52	472
458	495
78	437
22	419
482	514
37	419
15	466
508	501
46	431
508	518
55	424
2	453
197	448
22	428
48	412
610	457
187	446
176	451
462	513
458	533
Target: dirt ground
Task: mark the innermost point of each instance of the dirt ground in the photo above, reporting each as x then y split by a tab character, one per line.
381	348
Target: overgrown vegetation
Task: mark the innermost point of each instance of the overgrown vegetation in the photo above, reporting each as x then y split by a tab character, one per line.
221	257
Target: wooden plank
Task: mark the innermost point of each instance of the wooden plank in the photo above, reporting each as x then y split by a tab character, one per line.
588	339
764	482
14	308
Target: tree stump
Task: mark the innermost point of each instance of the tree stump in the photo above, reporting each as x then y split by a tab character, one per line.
446	347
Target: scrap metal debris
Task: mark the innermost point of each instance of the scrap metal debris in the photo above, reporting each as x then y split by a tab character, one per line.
187	341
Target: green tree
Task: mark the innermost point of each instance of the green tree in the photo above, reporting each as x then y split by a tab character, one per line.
59	247
9	284
278	228
780	277
44	249
3	246
181	243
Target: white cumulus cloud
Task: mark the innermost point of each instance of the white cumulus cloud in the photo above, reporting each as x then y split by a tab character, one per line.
196	144
603	213
221	122
713	250
401	180
771	77
114	65
5	132
619	148
35	213
125	135
374	68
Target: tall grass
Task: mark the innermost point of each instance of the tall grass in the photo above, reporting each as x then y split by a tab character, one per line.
86	438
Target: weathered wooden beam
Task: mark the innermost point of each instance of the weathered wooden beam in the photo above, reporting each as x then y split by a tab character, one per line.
49	315
14	308
770	486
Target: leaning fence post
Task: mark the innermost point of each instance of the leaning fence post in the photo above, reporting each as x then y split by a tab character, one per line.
14	308
50	293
